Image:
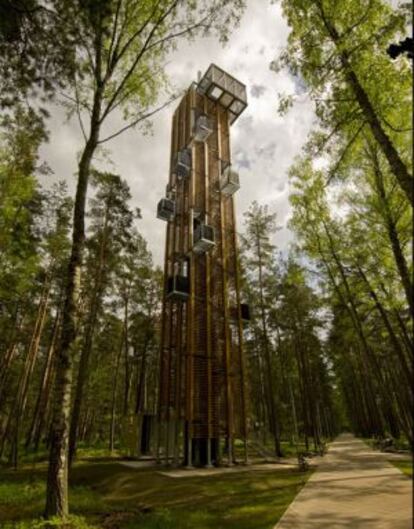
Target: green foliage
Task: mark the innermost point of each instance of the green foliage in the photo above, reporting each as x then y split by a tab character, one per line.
35	57
21	137
284	338
21	493
122	48
339	53
356	236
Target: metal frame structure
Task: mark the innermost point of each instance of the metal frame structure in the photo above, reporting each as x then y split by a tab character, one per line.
202	396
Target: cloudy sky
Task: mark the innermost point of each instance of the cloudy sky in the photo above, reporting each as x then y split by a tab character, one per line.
263	143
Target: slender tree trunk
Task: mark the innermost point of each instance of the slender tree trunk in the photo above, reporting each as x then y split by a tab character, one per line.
269	374
19	406
83	371
139	404
57	480
288	382
370	356
304	387
406	337
10	353
392	231
44	390
405	367
114	394
347	301
126	359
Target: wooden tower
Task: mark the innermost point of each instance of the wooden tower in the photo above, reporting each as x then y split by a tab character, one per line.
202	399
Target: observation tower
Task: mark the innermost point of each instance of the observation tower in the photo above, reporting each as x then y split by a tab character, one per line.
202	400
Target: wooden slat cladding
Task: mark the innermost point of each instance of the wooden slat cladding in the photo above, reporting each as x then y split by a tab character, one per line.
202	386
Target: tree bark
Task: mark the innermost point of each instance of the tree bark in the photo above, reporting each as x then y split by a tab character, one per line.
57	480
139	403
10	352
406	368
126	359
391	227
265	341
114	394
44	390
19	405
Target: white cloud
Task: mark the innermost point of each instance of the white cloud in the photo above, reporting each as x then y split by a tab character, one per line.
263	143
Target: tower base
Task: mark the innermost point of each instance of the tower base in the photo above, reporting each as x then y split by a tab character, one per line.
201	454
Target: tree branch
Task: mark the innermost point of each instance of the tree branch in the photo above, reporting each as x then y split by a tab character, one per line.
349	145
134	64
140	118
114	30
134	89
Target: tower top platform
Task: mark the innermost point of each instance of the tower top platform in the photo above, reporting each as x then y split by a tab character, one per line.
223	88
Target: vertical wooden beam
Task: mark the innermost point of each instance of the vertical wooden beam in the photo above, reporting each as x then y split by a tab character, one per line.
229	396
208	301
190	314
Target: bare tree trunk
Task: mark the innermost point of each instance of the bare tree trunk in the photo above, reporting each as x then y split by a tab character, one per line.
83	371
44	390
126	359
392	231
139	404
407	369
18	408
271	390
10	354
57	481
371	359
349	305
114	394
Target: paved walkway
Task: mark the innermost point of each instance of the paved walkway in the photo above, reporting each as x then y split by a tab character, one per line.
353	488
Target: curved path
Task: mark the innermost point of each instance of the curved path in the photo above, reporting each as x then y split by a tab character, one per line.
354	488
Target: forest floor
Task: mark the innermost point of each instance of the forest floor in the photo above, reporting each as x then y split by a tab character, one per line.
353	487
108	495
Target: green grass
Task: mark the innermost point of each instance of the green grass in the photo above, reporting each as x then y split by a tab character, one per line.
289	449
405	465
106	495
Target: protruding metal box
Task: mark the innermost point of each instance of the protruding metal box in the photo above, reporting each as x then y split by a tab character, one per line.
202	127
220	86
178	288
203	238
182	166
229	181
166	209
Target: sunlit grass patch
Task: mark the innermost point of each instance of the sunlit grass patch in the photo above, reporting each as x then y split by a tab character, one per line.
405	465
107	495
73	522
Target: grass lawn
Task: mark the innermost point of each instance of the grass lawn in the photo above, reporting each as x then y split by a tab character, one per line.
405	465
107	495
